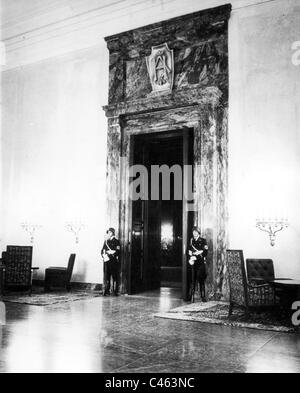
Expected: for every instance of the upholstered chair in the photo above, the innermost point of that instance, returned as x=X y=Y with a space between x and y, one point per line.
x=60 y=277
x=242 y=292
x=260 y=271
x=18 y=270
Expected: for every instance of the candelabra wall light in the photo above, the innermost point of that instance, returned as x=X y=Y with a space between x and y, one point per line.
x=75 y=227
x=272 y=227
x=31 y=229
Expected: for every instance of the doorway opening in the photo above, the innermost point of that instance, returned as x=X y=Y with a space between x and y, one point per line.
x=161 y=221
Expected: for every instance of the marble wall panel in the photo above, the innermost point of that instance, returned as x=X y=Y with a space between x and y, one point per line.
x=199 y=101
x=199 y=42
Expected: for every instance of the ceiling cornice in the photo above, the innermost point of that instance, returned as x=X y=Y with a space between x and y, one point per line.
x=62 y=26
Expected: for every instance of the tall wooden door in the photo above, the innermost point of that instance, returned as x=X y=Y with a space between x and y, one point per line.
x=160 y=228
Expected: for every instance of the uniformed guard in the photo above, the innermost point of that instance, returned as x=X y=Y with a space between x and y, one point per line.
x=197 y=253
x=110 y=254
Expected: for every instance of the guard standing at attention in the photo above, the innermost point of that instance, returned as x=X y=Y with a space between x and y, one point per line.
x=197 y=252
x=111 y=253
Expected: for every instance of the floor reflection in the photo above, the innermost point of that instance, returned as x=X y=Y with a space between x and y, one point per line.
x=121 y=335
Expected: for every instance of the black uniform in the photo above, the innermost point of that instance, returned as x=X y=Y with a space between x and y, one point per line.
x=111 y=267
x=200 y=264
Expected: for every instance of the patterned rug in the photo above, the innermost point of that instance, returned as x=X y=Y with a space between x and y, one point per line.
x=48 y=299
x=217 y=313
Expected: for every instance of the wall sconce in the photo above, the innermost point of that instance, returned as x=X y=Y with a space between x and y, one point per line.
x=31 y=230
x=75 y=227
x=272 y=227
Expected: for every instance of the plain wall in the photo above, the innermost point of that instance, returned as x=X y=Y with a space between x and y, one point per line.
x=54 y=158
x=54 y=135
x=264 y=154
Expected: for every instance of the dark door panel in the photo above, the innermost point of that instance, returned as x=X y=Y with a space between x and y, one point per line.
x=137 y=258
x=159 y=228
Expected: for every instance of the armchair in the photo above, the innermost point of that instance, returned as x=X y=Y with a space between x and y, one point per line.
x=261 y=271
x=60 y=277
x=17 y=268
x=243 y=292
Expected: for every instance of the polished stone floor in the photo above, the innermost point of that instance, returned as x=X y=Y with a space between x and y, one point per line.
x=120 y=335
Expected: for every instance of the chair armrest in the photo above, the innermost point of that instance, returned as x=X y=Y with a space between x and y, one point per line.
x=259 y=281
x=251 y=286
x=35 y=268
x=283 y=279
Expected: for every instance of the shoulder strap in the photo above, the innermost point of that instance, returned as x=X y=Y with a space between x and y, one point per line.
x=194 y=246
x=108 y=246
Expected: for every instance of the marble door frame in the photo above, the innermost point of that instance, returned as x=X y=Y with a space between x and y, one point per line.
x=198 y=99
x=209 y=121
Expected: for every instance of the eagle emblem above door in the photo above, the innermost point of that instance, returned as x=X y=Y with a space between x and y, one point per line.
x=161 y=69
